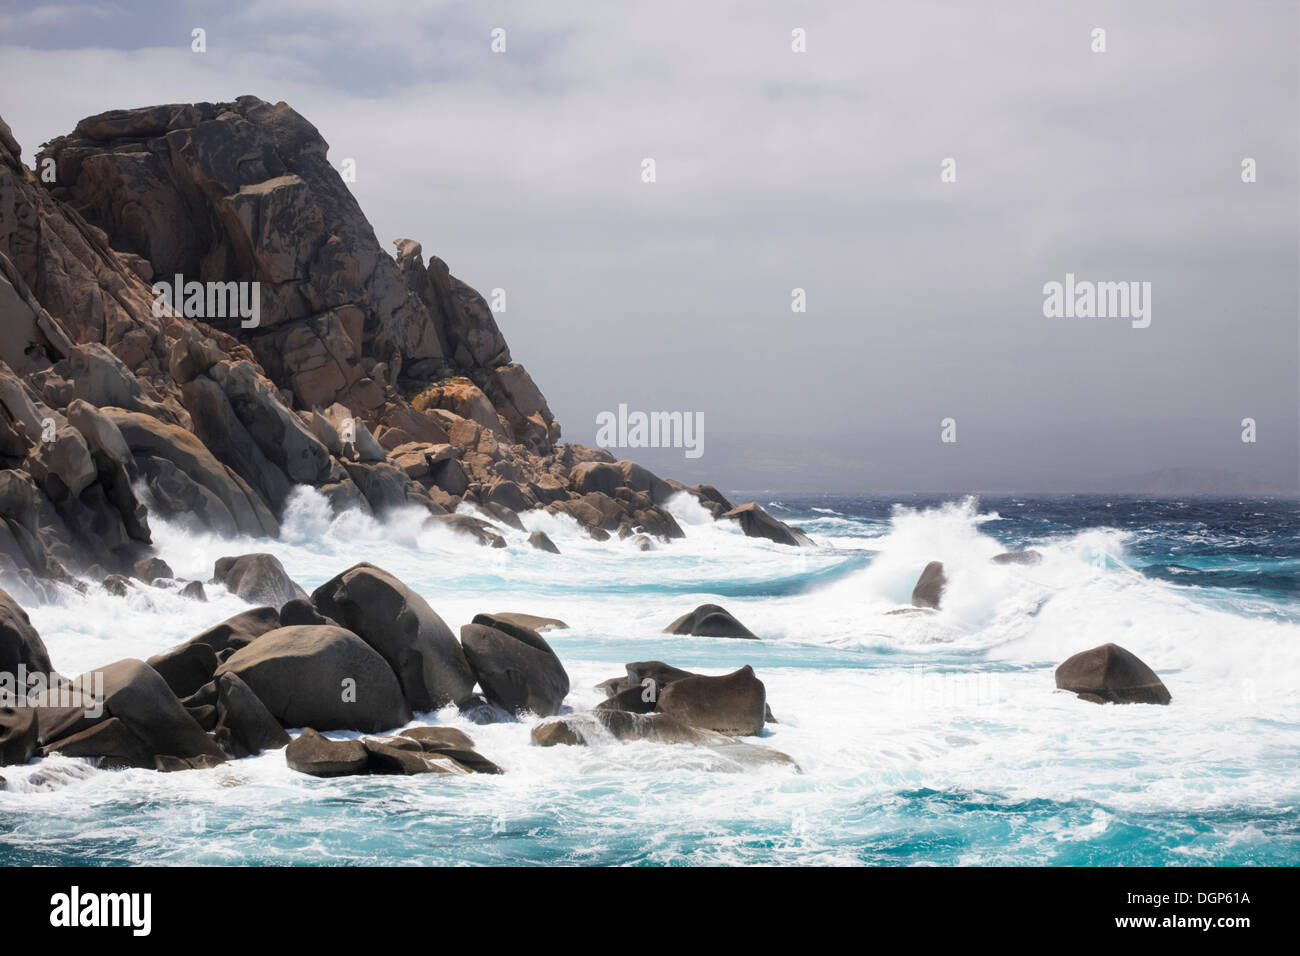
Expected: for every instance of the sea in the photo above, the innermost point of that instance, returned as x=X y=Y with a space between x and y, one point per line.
x=920 y=738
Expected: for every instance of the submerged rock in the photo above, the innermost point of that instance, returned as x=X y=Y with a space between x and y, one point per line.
x=929 y=587
x=1111 y=674
x=1017 y=557
x=710 y=620
x=540 y=541
x=757 y=523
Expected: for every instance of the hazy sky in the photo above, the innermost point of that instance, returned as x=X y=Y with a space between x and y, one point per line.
x=818 y=170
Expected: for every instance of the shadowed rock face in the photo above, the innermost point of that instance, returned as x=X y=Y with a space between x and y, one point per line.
x=1111 y=674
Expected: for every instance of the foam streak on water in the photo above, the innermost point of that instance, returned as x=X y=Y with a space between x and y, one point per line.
x=923 y=738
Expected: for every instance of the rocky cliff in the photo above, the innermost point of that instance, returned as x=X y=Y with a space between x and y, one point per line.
x=135 y=380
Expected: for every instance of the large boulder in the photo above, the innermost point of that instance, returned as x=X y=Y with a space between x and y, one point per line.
x=929 y=586
x=323 y=677
x=757 y=523
x=422 y=651
x=1111 y=674
x=515 y=666
x=710 y=620
x=137 y=695
x=733 y=704
x=258 y=579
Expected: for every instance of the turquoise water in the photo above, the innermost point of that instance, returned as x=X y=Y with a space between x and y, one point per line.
x=920 y=739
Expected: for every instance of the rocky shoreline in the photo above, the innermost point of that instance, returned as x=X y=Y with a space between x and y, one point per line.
x=362 y=653
x=382 y=382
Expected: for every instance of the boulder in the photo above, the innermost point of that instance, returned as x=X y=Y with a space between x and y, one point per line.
x=149 y=570
x=19 y=738
x=310 y=753
x=321 y=676
x=302 y=611
x=472 y=527
x=515 y=666
x=757 y=523
x=598 y=476
x=439 y=738
x=530 y=621
x=187 y=480
x=186 y=667
x=137 y=695
x=733 y=704
x=710 y=620
x=632 y=699
x=238 y=631
x=449 y=742
x=929 y=586
x=19 y=641
x=580 y=729
x=404 y=756
x=1017 y=557
x=193 y=591
x=258 y=579
x=244 y=724
x=541 y=542
x=111 y=740
x=1111 y=674
x=422 y=651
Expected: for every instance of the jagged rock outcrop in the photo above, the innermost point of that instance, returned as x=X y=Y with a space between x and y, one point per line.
x=195 y=303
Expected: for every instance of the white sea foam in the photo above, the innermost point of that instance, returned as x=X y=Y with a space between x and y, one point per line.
x=871 y=705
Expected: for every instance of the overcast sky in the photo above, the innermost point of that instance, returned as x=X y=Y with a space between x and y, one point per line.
x=818 y=170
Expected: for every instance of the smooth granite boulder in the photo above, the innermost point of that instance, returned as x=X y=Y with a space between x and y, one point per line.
x=322 y=677
x=402 y=627
x=710 y=620
x=1111 y=674
x=258 y=579
x=515 y=666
